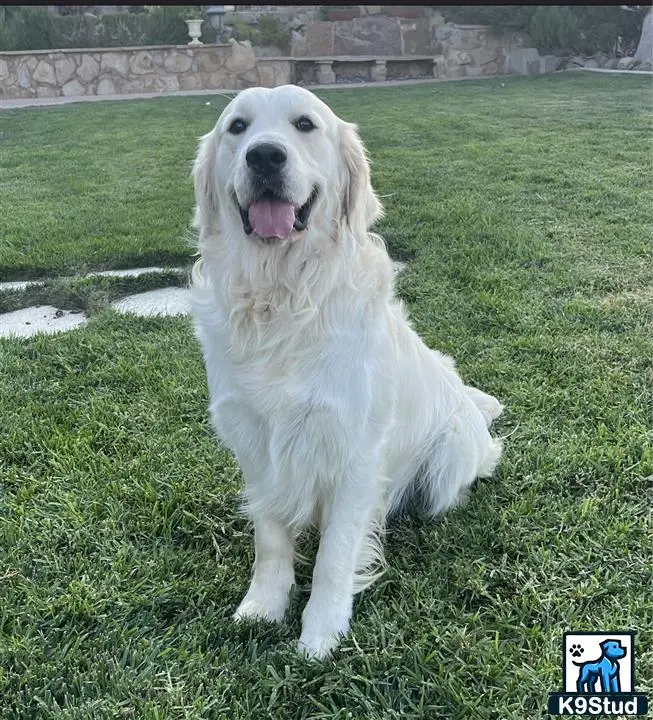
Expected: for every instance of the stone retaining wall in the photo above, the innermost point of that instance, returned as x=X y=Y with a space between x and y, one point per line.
x=370 y=35
x=455 y=51
x=460 y=50
x=163 y=68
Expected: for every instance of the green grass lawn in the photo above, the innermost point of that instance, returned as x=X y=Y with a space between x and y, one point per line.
x=523 y=207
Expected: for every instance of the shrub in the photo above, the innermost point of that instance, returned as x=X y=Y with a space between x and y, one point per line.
x=586 y=29
x=271 y=33
x=165 y=25
x=121 y=29
x=498 y=17
x=72 y=31
x=27 y=28
x=34 y=28
x=242 y=31
x=554 y=27
x=602 y=25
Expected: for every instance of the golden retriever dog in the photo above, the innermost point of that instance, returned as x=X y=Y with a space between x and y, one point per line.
x=335 y=409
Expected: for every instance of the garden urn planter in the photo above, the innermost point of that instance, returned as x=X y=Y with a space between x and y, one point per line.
x=194 y=31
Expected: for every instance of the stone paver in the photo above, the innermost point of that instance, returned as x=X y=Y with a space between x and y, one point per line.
x=133 y=272
x=29 y=321
x=165 y=301
x=40 y=319
x=19 y=284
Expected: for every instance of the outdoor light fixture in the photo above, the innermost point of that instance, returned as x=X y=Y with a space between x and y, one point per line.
x=216 y=14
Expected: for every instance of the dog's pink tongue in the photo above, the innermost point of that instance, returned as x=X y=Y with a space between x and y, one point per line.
x=271 y=218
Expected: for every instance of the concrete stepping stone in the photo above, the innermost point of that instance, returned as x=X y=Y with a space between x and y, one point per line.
x=134 y=272
x=165 y=301
x=131 y=272
x=19 y=284
x=47 y=319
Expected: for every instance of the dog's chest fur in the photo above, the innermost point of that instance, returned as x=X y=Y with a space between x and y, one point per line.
x=276 y=326
x=290 y=376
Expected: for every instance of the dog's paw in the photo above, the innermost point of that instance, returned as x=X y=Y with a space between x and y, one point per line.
x=323 y=628
x=252 y=608
x=318 y=647
x=576 y=650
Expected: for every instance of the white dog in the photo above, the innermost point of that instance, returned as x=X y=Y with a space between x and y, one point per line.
x=334 y=408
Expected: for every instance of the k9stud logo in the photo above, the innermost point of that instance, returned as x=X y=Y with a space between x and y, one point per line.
x=598 y=670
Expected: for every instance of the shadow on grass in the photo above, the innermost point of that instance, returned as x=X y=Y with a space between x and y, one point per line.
x=88 y=294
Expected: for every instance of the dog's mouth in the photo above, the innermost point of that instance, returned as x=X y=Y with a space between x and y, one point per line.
x=271 y=216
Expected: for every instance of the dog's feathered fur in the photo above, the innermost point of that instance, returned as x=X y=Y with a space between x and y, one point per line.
x=333 y=406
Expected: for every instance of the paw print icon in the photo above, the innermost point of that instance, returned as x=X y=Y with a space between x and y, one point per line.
x=576 y=650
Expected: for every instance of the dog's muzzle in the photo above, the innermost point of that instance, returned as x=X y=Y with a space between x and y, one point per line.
x=273 y=216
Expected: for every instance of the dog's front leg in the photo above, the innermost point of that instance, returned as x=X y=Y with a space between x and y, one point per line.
x=615 y=687
x=273 y=575
x=344 y=528
x=606 y=680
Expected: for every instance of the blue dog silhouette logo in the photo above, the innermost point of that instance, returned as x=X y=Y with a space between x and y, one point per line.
x=605 y=669
x=598 y=670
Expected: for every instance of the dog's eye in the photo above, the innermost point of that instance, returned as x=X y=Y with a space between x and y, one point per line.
x=237 y=126
x=304 y=124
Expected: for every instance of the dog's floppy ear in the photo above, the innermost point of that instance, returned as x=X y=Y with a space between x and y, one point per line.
x=360 y=205
x=206 y=195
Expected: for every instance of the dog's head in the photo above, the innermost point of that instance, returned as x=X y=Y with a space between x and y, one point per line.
x=278 y=163
x=613 y=649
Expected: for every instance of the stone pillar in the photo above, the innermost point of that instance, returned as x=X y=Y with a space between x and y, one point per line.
x=379 y=71
x=325 y=74
x=439 y=67
x=645 y=48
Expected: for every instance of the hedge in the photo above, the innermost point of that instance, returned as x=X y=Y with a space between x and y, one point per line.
x=34 y=28
x=582 y=29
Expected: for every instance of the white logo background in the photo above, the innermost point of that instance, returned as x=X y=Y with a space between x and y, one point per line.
x=590 y=643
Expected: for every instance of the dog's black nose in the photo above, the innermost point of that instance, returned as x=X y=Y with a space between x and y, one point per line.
x=266 y=158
